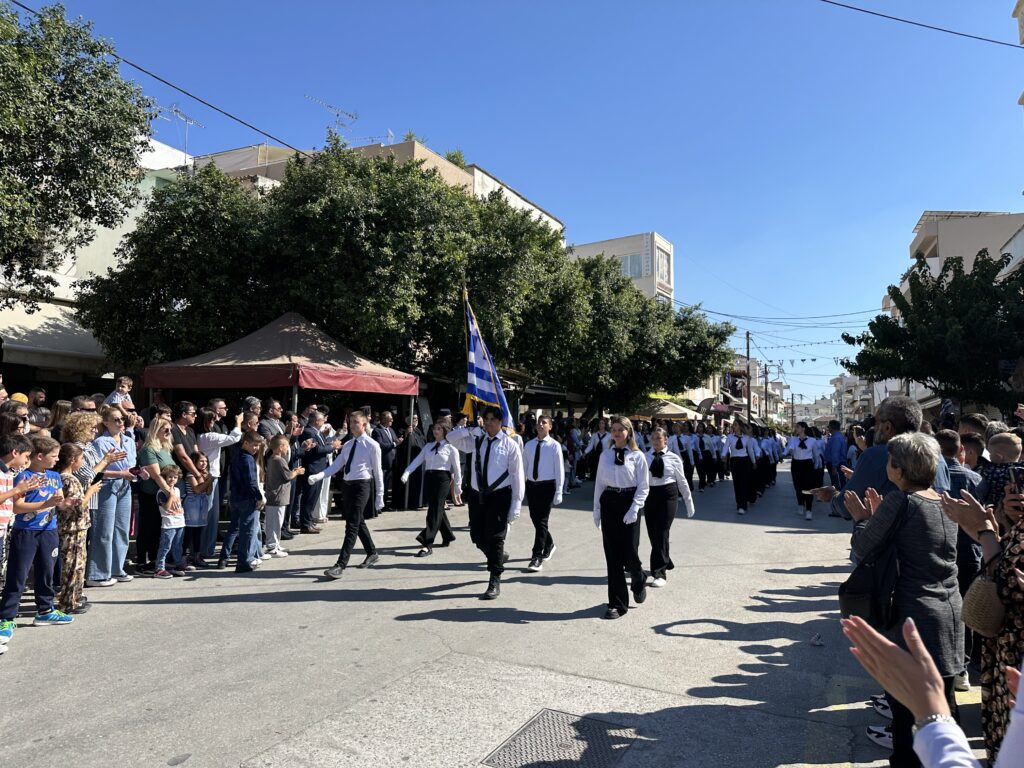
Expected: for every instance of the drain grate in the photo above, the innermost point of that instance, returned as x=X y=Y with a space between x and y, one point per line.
x=554 y=739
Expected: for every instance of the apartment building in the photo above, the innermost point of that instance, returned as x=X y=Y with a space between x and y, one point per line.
x=646 y=258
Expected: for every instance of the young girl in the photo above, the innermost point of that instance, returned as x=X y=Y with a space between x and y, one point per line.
x=197 y=506
x=72 y=526
x=172 y=525
x=620 y=490
x=280 y=479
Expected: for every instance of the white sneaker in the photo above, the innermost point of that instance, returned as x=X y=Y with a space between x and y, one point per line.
x=124 y=578
x=658 y=582
x=256 y=563
x=3 y=650
x=549 y=554
x=881 y=735
x=104 y=583
x=278 y=553
x=741 y=511
x=266 y=556
x=962 y=683
x=808 y=516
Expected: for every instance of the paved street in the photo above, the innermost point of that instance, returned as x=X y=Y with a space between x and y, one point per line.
x=404 y=666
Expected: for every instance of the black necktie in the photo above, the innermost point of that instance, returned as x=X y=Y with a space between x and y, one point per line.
x=437 y=447
x=536 y=460
x=739 y=442
x=487 y=460
x=803 y=443
x=620 y=456
x=348 y=464
x=599 y=446
x=658 y=465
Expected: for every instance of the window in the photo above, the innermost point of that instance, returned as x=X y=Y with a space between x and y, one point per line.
x=664 y=266
x=632 y=265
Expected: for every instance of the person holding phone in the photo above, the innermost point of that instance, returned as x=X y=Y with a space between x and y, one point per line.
x=109 y=545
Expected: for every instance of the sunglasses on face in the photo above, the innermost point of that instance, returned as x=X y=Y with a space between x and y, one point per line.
x=116 y=420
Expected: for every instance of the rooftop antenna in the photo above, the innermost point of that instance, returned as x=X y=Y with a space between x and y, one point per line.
x=342 y=118
x=188 y=121
x=388 y=139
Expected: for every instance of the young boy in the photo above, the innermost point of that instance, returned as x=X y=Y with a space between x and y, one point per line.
x=34 y=540
x=120 y=395
x=172 y=525
x=1004 y=451
x=15 y=452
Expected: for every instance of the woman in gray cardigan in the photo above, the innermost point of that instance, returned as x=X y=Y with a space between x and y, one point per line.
x=926 y=590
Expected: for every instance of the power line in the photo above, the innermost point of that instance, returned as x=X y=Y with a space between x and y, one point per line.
x=922 y=25
x=185 y=92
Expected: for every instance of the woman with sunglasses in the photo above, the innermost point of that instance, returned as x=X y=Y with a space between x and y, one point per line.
x=108 y=544
x=154 y=456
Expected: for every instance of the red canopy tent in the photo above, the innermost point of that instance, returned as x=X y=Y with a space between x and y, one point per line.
x=289 y=352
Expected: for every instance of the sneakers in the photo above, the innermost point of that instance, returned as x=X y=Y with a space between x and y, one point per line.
x=6 y=630
x=101 y=583
x=534 y=565
x=881 y=735
x=962 y=683
x=334 y=572
x=52 y=618
x=371 y=560
x=278 y=552
x=659 y=582
x=808 y=516
x=254 y=564
x=266 y=556
x=550 y=553
x=881 y=705
x=123 y=578
x=741 y=511
x=177 y=571
x=163 y=573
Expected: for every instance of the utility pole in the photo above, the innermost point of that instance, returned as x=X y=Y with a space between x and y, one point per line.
x=766 y=367
x=750 y=388
x=792 y=412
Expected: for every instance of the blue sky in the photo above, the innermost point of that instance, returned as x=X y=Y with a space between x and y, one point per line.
x=786 y=147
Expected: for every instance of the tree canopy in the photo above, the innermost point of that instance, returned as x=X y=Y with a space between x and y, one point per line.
x=955 y=331
x=71 y=133
x=376 y=253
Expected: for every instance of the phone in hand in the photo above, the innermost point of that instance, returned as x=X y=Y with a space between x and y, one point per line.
x=1016 y=475
x=97 y=478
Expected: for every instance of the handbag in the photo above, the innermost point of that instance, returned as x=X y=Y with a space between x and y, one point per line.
x=868 y=592
x=983 y=609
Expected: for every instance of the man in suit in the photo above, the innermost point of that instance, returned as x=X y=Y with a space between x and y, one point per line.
x=270 y=423
x=389 y=443
x=316 y=457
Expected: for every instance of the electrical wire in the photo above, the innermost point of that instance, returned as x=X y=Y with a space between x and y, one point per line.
x=185 y=92
x=920 y=24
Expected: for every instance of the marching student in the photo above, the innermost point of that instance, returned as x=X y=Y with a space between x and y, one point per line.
x=667 y=484
x=620 y=491
x=743 y=453
x=684 y=448
x=598 y=442
x=706 y=456
x=805 y=467
x=362 y=490
x=545 y=480
x=496 y=472
x=443 y=475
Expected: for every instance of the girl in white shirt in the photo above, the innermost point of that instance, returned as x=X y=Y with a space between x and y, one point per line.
x=620 y=490
x=806 y=467
x=667 y=483
x=443 y=468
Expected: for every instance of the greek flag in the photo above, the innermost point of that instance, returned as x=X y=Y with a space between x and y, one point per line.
x=482 y=385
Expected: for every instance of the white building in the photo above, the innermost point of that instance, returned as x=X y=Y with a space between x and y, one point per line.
x=646 y=258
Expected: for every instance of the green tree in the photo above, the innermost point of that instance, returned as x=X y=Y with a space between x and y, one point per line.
x=954 y=331
x=71 y=133
x=456 y=157
x=191 y=277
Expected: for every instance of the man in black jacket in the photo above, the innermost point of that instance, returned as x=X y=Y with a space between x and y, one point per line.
x=316 y=457
x=389 y=442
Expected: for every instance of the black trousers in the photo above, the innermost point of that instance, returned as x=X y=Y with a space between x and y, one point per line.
x=436 y=487
x=539 y=497
x=310 y=500
x=688 y=470
x=805 y=477
x=723 y=468
x=356 y=496
x=761 y=471
x=621 y=544
x=147 y=529
x=702 y=472
x=903 y=755
x=488 y=522
x=659 y=512
x=742 y=480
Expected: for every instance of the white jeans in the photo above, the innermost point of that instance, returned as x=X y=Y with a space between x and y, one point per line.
x=324 y=502
x=275 y=517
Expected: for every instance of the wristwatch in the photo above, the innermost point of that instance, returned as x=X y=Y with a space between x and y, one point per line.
x=928 y=720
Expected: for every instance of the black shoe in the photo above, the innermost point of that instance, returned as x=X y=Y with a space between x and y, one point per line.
x=222 y=563
x=425 y=552
x=370 y=561
x=504 y=557
x=639 y=586
x=334 y=572
x=534 y=565
x=493 y=589
x=445 y=543
x=613 y=613
x=80 y=608
x=286 y=535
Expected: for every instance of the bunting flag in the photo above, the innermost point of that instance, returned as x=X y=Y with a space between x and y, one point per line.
x=482 y=384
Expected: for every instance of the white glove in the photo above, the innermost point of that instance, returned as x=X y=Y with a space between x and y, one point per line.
x=405 y=478
x=631 y=516
x=378 y=505
x=597 y=518
x=315 y=478
x=513 y=515
x=558 y=501
x=691 y=511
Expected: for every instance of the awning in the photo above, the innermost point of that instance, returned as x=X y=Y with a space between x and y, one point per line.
x=50 y=338
x=665 y=409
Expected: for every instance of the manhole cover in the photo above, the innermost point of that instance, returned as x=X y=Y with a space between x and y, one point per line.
x=559 y=740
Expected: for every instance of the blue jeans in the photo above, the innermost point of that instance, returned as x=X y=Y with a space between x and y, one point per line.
x=231 y=535
x=249 y=546
x=108 y=539
x=170 y=543
x=212 y=521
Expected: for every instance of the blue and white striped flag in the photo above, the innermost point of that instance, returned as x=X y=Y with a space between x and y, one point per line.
x=482 y=385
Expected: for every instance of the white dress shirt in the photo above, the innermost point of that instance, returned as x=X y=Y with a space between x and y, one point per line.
x=603 y=437
x=505 y=457
x=680 y=446
x=810 y=451
x=632 y=473
x=749 y=447
x=673 y=474
x=444 y=459
x=365 y=465
x=550 y=466
x=211 y=444
x=708 y=445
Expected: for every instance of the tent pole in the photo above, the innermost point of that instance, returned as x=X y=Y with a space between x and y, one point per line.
x=295 y=398
x=408 y=448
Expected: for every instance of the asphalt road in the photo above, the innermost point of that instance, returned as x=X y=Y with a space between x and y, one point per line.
x=402 y=665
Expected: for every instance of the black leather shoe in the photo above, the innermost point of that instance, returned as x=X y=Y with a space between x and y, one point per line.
x=504 y=557
x=493 y=589
x=370 y=561
x=613 y=613
x=425 y=552
x=639 y=586
x=286 y=535
x=334 y=572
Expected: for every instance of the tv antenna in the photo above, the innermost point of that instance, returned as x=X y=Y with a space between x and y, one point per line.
x=175 y=110
x=342 y=118
x=388 y=139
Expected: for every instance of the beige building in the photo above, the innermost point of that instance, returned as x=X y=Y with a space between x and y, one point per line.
x=645 y=258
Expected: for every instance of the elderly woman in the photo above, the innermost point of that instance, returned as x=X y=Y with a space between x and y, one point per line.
x=926 y=590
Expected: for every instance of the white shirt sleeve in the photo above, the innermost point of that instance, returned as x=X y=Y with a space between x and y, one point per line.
x=599 y=486
x=944 y=745
x=338 y=463
x=643 y=483
x=414 y=464
x=559 y=474
x=456 y=468
x=684 y=490
x=517 y=478
x=378 y=474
